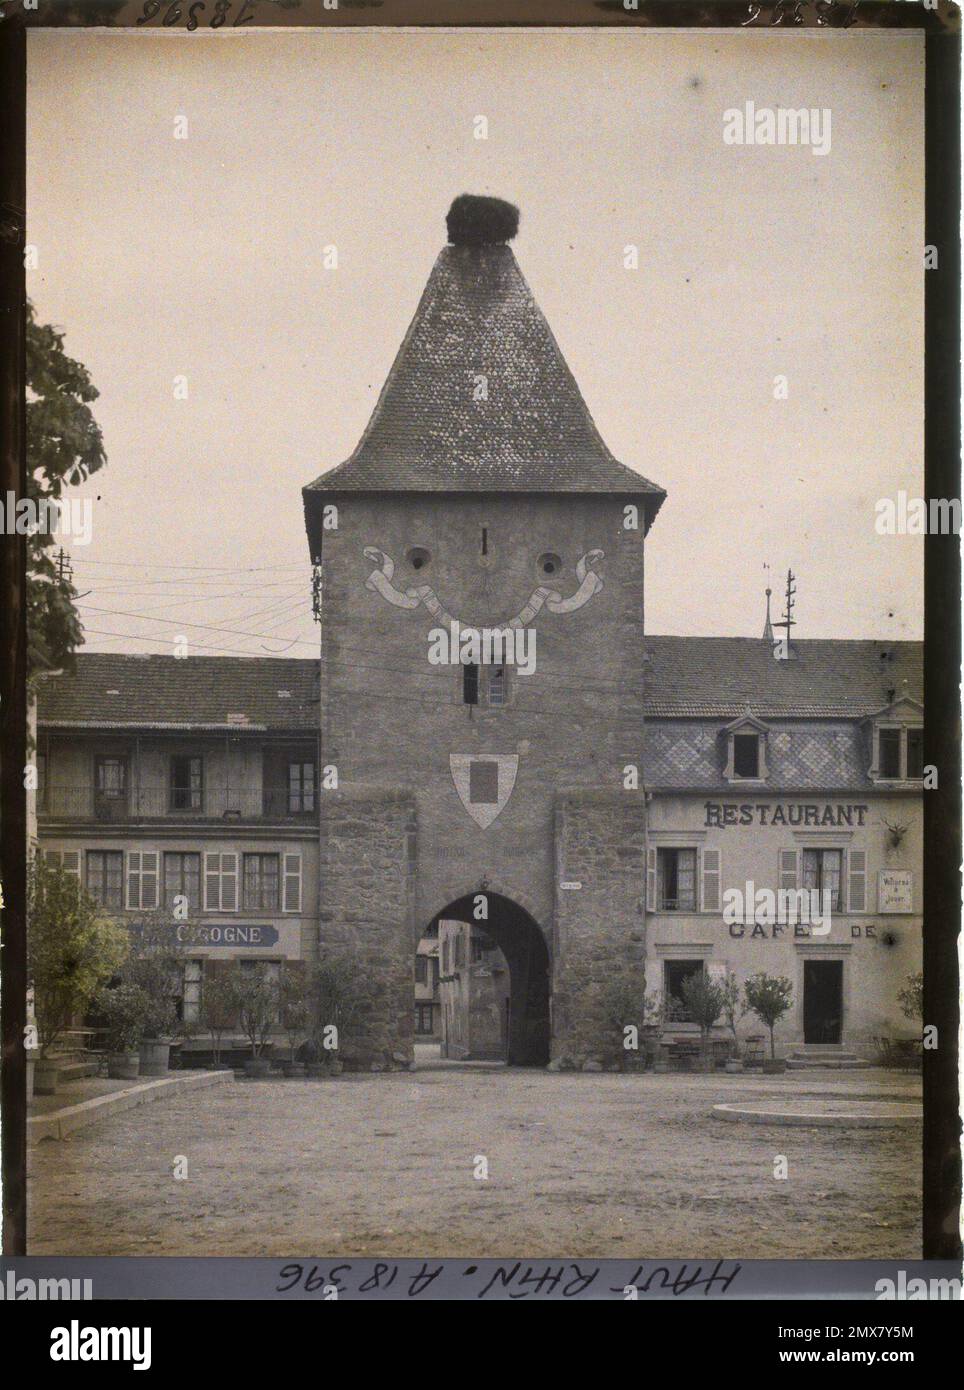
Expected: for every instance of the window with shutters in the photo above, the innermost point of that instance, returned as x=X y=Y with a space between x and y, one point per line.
x=220 y=882
x=182 y=880
x=142 y=879
x=676 y=880
x=261 y=883
x=822 y=871
x=66 y=859
x=105 y=876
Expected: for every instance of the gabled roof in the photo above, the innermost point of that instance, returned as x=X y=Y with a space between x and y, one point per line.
x=721 y=677
x=532 y=432
x=212 y=693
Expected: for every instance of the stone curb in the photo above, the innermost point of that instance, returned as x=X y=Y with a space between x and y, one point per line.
x=59 y=1123
x=781 y=1117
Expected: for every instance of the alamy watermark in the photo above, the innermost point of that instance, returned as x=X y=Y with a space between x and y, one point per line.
x=483 y=646
x=62 y=516
x=780 y=125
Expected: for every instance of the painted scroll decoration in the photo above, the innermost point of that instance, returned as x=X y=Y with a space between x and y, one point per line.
x=380 y=581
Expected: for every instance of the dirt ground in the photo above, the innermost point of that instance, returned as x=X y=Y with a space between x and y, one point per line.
x=578 y=1165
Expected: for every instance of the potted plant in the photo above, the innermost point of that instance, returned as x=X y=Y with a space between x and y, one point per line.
x=124 y=1008
x=294 y=1015
x=333 y=1001
x=769 y=997
x=733 y=1011
x=218 y=1007
x=704 y=1004
x=156 y=965
x=71 y=953
x=257 y=1000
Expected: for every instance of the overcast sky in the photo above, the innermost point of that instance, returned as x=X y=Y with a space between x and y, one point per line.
x=204 y=257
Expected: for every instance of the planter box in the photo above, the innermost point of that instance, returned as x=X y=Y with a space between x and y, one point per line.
x=45 y=1077
x=734 y=1066
x=774 y=1066
x=155 y=1058
x=124 y=1066
x=257 y=1067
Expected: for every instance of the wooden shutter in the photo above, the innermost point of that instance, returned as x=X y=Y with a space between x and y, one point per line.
x=133 y=878
x=149 y=878
x=711 y=880
x=220 y=882
x=787 y=868
x=212 y=881
x=296 y=972
x=292 y=883
x=857 y=881
x=66 y=859
x=651 y=881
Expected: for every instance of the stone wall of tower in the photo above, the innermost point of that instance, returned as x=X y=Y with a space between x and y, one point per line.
x=390 y=720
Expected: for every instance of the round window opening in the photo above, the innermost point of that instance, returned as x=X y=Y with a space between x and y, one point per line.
x=418 y=558
x=549 y=564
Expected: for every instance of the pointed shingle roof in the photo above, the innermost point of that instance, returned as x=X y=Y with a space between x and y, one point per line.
x=532 y=431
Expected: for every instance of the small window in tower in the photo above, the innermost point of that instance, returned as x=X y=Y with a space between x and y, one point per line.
x=485 y=540
x=549 y=563
x=470 y=684
x=418 y=557
x=746 y=755
x=497 y=686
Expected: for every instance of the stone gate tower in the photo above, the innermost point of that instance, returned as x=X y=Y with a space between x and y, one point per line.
x=482 y=497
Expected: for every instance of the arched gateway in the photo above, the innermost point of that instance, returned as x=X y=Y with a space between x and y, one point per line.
x=466 y=983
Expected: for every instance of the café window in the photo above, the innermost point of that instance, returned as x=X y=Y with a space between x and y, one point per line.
x=190 y=1009
x=270 y=972
x=301 y=787
x=676 y=880
x=182 y=879
x=105 y=876
x=822 y=871
x=187 y=784
x=261 y=882
x=674 y=973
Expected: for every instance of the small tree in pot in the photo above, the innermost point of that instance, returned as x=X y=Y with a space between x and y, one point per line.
x=294 y=1014
x=124 y=1009
x=733 y=1010
x=333 y=1003
x=156 y=965
x=257 y=1000
x=769 y=997
x=218 y=1008
x=704 y=1004
x=71 y=952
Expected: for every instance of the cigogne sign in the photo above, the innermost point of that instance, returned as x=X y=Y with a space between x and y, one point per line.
x=216 y=934
x=814 y=814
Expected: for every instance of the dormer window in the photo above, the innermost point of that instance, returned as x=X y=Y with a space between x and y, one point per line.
x=746 y=755
x=745 y=750
x=896 y=742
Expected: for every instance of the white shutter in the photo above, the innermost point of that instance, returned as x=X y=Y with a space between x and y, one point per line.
x=229 y=883
x=220 y=882
x=292 y=885
x=651 y=881
x=133 y=878
x=711 y=880
x=787 y=868
x=212 y=881
x=149 y=878
x=857 y=881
